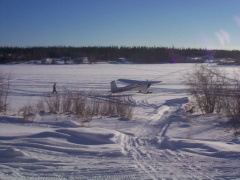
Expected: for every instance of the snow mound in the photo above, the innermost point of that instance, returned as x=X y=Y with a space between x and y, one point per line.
x=11 y=154
x=76 y=140
x=94 y=136
x=207 y=148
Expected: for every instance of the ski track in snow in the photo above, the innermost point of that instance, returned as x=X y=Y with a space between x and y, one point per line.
x=146 y=153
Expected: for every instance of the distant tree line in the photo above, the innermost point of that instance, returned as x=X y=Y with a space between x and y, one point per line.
x=137 y=54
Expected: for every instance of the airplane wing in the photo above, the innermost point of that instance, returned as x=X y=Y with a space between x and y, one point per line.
x=128 y=81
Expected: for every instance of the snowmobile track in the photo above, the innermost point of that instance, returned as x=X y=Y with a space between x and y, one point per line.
x=148 y=152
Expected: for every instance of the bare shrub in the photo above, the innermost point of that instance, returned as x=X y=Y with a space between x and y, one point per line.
x=111 y=107
x=40 y=105
x=108 y=107
x=88 y=113
x=124 y=109
x=212 y=93
x=53 y=103
x=28 y=112
x=66 y=102
x=4 y=91
x=116 y=106
x=27 y=109
x=85 y=106
x=104 y=108
x=231 y=104
x=79 y=103
x=207 y=87
x=235 y=122
x=96 y=106
x=232 y=99
x=127 y=111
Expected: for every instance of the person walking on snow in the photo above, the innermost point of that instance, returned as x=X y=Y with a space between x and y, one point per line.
x=54 y=88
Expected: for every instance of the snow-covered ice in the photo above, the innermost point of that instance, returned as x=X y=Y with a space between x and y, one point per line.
x=160 y=142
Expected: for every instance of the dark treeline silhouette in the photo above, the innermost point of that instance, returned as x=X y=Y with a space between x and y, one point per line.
x=138 y=54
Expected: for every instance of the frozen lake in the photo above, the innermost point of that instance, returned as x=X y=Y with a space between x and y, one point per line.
x=29 y=82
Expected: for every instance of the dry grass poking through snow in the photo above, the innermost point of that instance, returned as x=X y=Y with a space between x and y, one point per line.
x=83 y=105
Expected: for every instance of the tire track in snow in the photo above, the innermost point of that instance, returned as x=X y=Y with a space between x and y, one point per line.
x=142 y=146
x=146 y=146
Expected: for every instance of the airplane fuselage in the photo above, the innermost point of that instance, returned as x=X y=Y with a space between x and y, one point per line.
x=134 y=87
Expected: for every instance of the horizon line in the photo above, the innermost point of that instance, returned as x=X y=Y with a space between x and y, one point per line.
x=117 y=46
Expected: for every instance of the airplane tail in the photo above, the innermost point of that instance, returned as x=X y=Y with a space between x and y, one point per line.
x=113 y=86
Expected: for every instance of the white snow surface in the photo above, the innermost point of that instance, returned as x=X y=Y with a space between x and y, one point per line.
x=160 y=142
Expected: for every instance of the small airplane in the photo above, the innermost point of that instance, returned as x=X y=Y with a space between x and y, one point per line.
x=133 y=85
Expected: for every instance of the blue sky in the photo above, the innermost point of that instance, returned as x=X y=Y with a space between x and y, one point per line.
x=212 y=24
